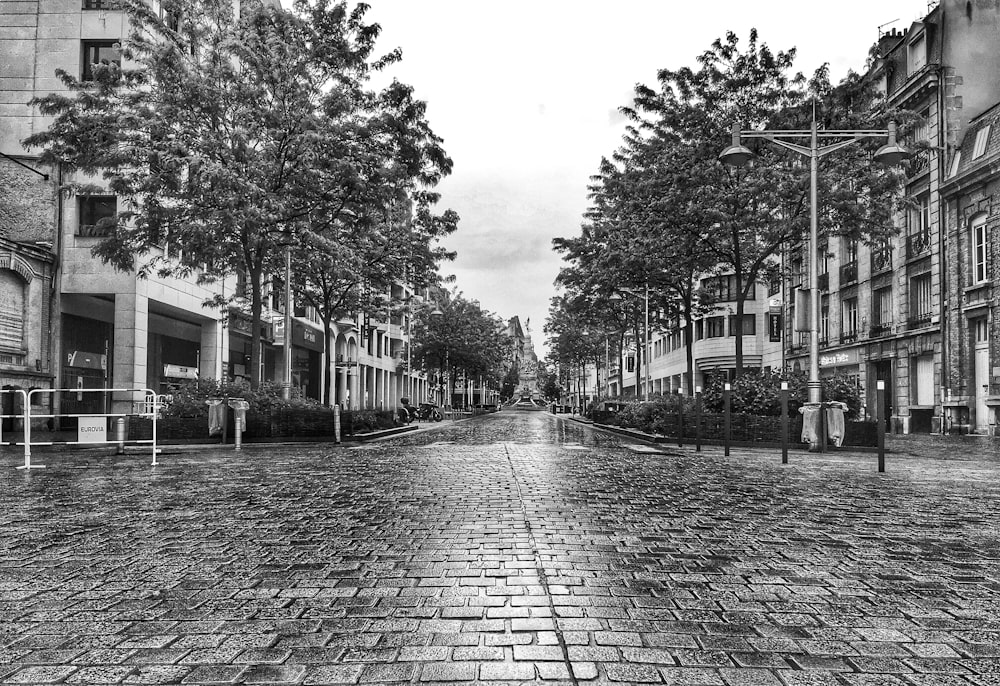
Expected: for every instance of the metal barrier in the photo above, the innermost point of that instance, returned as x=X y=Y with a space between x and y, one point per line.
x=92 y=428
x=25 y=417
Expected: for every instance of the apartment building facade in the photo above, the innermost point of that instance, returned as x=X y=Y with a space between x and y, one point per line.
x=67 y=320
x=894 y=311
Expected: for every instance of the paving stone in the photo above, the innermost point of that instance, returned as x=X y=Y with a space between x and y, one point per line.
x=508 y=671
x=40 y=675
x=464 y=549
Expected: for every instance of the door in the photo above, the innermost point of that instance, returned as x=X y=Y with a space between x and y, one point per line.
x=982 y=373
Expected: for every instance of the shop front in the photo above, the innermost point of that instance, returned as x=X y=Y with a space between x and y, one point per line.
x=307 y=353
x=240 y=348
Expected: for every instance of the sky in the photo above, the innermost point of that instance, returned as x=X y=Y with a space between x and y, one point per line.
x=525 y=94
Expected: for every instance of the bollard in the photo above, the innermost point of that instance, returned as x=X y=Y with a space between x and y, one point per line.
x=821 y=424
x=697 y=419
x=727 y=414
x=120 y=434
x=880 y=422
x=336 y=423
x=238 y=432
x=680 y=419
x=784 y=422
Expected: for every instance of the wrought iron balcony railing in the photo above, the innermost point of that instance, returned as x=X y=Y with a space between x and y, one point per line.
x=848 y=336
x=918 y=244
x=849 y=272
x=881 y=261
x=879 y=330
x=918 y=321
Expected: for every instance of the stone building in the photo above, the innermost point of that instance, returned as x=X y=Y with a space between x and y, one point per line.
x=27 y=214
x=971 y=209
x=888 y=311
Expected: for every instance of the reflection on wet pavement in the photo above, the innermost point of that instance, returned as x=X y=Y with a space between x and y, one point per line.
x=517 y=547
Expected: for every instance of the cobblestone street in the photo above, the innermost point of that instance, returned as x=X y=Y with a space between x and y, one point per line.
x=512 y=548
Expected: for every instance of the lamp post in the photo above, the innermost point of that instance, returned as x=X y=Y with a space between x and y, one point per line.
x=286 y=384
x=737 y=155
x=645 y=335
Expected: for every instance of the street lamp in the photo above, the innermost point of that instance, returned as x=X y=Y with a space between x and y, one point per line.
x=645 y=333
x=889 y=154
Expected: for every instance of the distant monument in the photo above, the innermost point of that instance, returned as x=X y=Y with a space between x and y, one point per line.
x=528 y=394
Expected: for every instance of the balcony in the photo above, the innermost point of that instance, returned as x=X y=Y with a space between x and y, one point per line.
x=848 y=336
x=823 y=281
x=919 y=163
x=881 y=261
x=849 y=273
x=95 y=231
x=918 y=244
x=879 y=330
x=918 y=321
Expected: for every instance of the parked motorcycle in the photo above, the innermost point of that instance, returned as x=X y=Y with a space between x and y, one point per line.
x=430 y=412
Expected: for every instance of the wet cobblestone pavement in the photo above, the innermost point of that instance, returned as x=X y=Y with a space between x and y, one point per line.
x=515 y=548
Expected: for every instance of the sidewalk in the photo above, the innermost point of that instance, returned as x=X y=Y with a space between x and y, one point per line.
x=924 y=446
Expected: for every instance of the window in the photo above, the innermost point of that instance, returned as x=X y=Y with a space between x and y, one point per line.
x=11 y=310
x=824 y=320
x=920 y=216
x=881 y=311
x=982 y=137
x=724 y=288
x=749 y=325
x=699 y=329
x=98 y=52
x=980 y=249
x=850 y=250
x=715 y=327
x=97 y=215
x=850 y=328
x=97 y=5
x=917 y=55
x=920 y=299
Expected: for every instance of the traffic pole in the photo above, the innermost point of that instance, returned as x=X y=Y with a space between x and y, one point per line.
x=727 y=413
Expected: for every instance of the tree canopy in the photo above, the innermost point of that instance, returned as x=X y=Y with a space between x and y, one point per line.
x=230 y=136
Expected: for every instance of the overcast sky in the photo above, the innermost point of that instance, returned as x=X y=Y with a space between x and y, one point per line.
x=525 y=94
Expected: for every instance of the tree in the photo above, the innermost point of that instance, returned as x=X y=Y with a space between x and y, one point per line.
x=754 y=213
x=462 y=338
x=236 y=136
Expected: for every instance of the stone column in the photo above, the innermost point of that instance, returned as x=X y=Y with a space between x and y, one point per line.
x=354 y=381
x=129 y=349
x=212 y=346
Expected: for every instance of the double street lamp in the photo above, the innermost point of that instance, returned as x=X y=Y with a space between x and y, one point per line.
x=645 y=335
x=889 y=154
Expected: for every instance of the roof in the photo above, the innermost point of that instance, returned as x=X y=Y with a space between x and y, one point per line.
x=989 y=123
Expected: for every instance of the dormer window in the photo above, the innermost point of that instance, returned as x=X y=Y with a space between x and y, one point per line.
x=916 y=54
x=982 y=137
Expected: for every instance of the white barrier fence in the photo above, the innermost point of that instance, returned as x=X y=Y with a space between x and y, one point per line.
x=92 y=428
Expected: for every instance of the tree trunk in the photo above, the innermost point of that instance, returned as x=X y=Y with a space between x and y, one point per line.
x=325 y=380
x=689 y=346
x=256 y=306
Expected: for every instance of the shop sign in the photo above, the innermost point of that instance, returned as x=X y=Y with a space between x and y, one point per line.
x=79 y=358
x=774 y=305
x=838 y=359
x=279 y=330
x=306 y=337
x=176 y=371
x=92 y=429
x=774 y=328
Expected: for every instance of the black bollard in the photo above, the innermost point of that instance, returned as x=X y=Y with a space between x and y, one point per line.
x=697 y=419
x=680 y=419
x=880 y=422
x=784 y=422
x=727 y=414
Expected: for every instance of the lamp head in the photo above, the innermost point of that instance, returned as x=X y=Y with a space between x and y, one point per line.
x=436 y=312
x=736 y=155
x=892 y=152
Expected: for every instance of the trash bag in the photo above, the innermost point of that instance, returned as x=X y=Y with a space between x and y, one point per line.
x=216 y=415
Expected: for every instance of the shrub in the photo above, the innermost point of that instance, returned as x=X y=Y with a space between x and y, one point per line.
x=759 y=393
x=190 y=396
